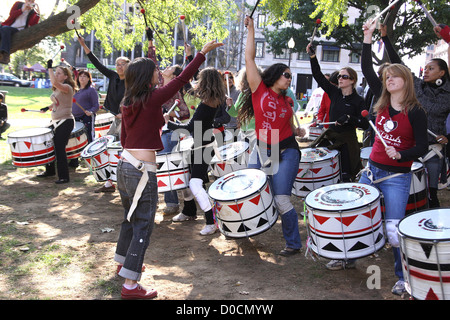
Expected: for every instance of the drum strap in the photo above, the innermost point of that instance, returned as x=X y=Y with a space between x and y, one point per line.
x=144 y=167
x=370 y=175
x=435 y=149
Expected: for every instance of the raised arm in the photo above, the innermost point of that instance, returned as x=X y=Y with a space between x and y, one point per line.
x=253 y=76
x=369 y=73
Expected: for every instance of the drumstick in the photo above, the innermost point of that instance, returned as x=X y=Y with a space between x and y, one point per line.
x=60 y=48
x=385 y=9
x=427 y=13
x=177 y=102
x=318 y=21
x=254 y=8
x=25 y=110
x=364 y=113
x=228 y=85
x=76 y=31
x=434 y=135
x=75 y=101
x=183 y=27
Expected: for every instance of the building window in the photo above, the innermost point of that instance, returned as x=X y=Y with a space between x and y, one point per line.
x=283 y=55
x=261 y=21
x=259 y=49
x=303 y=56
x=330 y=54
x=354 y=58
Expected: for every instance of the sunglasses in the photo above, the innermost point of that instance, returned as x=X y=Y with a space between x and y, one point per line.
x=344 y=76
x=287 y=75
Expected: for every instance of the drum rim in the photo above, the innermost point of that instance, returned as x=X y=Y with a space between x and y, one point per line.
x=328 y=157
x=342 y=209
x=215 y=159
x=404 y=235
x=241 y=197
x=48 y=130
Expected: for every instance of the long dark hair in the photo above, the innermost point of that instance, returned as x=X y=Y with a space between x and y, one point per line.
x=138 y=81
x=443 y=66
x=210 y=87
x=273 y=73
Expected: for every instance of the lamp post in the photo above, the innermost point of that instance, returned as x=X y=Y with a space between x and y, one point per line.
x=291 y=45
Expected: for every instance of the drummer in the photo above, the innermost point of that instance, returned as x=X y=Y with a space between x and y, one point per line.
x=273 y=112
x=210 y=89
x=114 y=96
x=63 y=86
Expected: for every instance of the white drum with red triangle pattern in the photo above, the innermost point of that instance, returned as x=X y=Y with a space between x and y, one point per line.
x=345 y=221
x=114 y=152
x=425 y=251
x=232 y=157
x=243 y=203
x=31 y=147
x=77 y=141
x=173 y=168
x=318 y=167
x=102 y=124
x=97 y=157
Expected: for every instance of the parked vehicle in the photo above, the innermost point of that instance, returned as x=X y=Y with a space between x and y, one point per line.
x=7 y=79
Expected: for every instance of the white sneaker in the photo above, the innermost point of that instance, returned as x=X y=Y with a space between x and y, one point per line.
x=182 y=217
x=208 y=229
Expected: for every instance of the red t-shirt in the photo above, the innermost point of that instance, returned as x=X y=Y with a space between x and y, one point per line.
x=273 y=113
x=397 y=132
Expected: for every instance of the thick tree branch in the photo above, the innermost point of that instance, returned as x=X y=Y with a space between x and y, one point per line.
x=53 y=26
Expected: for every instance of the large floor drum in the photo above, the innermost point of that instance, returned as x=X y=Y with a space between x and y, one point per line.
x=345 y=221
x=425 y=250
x=243 y=203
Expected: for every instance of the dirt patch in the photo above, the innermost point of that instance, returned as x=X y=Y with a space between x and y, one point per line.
x=58 y=242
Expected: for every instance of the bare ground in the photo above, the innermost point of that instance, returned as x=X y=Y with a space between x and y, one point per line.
x=57 y=242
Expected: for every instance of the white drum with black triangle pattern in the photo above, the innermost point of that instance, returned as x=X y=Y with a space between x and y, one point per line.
x=243 y=203
x=345 y=221
x=232 y=157
x=77 y=141
x=318 y=167
x=425 y=251
x=114 y=153
x=97 y=157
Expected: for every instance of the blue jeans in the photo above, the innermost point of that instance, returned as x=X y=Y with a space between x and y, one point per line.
x=434 y=167
x=396 y=193
x=170 y=197
x=282 y=182
x=134 y=236
x=6 y=33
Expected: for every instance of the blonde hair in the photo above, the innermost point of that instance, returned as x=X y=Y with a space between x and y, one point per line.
x=409 y=100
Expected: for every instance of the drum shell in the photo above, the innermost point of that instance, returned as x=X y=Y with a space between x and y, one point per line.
x=245 y=216
x=345 y=232
x=426 y=261
x=235 y=157
x=31 y=147
x=97 y=157
x=315 y=132
x=172 y=171
x=364 y=155
x=317 y=173
x=114 y=152
x=102 y=124
x=77 y=141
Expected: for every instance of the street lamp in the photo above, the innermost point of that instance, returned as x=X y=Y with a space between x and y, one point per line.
x=291 y=45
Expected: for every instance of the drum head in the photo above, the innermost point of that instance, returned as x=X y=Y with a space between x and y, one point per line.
x=428 y=225
x=365 y=152
x=343 y=196
x=30 y=132
x=230 y=151
x=95 y=147
x=317 y=154
x=237 y=185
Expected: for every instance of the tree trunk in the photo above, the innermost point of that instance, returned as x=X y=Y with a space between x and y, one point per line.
x=53 y=26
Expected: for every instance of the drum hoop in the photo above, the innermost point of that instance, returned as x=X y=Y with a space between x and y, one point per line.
x=257 y=191
x=432 y=241
x=340 y=209
x=328 y=157
x=48 y=131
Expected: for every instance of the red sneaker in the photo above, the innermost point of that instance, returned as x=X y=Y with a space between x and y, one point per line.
x=138 y=293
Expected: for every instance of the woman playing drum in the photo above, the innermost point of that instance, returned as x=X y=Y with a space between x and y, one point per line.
x=63 y=87
x=210 y=89
x=273 y=114
x=142 y=120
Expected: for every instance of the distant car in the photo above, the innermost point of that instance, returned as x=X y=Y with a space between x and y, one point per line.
x=98 y=84
x=7 y=79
